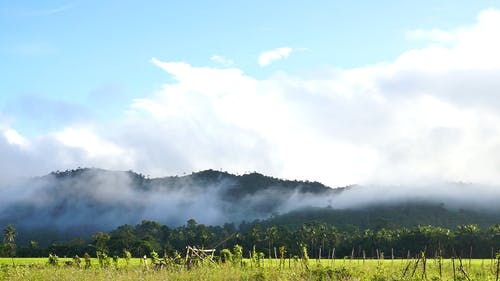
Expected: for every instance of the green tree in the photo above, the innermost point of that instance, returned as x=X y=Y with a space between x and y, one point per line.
x=100 y=241
x=9 y=240
x=271 y=236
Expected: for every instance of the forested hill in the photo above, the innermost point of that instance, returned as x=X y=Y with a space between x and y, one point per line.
x=409 y=214
x=237 y=185
x=84 y=201
x=92 y=199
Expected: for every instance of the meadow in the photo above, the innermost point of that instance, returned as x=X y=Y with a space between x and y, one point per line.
x=268 y=269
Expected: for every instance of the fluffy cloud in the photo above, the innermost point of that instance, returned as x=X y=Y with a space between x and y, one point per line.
x=431 y=114
x=268 y=57
x=14 y=138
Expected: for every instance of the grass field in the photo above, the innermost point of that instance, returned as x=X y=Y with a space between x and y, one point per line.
x=38 y=269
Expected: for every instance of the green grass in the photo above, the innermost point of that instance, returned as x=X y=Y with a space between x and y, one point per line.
x=38 y=269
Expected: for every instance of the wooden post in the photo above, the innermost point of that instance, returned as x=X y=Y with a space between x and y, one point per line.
x=498 y=267
x=440 y=263
x=424 y=263
x=470 y=257
x=145 y=260
x=415 y=267
x=492 y=258
x=454 y=271
x=462 y=269
x=406 y=269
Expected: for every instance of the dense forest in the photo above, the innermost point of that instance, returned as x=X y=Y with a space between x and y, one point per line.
x=321 y=239
x=88 y=210
x=81 y=202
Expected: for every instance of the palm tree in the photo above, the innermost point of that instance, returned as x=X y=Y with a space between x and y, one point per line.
x=9 y=234
x=271 y=236
x=10 y=241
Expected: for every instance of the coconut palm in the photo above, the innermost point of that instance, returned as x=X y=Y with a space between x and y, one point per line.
x=9 y=240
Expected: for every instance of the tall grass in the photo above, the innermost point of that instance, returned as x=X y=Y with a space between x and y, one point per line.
x=340 y=269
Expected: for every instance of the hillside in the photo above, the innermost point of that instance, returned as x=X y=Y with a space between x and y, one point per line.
x=89 y=199
x=82 y=201
x=408 y=214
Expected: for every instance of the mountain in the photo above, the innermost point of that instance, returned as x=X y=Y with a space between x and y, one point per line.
x=409 y=214
x=83 y=201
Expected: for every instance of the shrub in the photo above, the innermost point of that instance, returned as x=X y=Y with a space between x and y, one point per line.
x=237 y=254
x=226 y=255
x=53 y=260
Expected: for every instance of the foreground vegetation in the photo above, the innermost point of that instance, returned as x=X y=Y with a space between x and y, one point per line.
x=247 y=269
x=313 y=251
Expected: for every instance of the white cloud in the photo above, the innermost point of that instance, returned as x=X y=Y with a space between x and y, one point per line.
x=88 y=141
x=222 y=60
x=268 y=57
x=431 y=114
x=13 y=137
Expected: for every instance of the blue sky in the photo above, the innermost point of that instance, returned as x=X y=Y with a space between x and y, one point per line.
x=94 y=56
x=73 y=64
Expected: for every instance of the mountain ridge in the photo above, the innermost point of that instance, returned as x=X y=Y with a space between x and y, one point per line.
x=86 y=200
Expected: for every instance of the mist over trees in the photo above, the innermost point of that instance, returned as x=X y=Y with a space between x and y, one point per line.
x=89 y=210
x=90 y=200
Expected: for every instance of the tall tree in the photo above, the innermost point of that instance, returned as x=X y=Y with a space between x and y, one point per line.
x=271 y=236
x=100 y=241
x=9 y=240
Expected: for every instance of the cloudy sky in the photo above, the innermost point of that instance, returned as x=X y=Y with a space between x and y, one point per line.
x=366 y=92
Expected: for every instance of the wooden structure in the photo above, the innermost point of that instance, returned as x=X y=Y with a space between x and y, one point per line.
x=195 y=255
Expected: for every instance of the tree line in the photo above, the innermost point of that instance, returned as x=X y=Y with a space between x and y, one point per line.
x=320 y=239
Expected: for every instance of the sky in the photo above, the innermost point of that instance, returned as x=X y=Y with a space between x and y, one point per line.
x=333 y=91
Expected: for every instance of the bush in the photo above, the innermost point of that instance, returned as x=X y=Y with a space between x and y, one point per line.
x=104 y=259
x=127 y=256
x=53 y=260
x=226 y=255
x=237 y=254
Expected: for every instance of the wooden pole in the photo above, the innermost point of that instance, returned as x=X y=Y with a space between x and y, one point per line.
x=415 y=267
x=462 y=269
x=492 y=258
x=470 y=257
x=498 y=267
x=454 y=271
x=406 y=269
x=440 y=267
x=424 y=263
